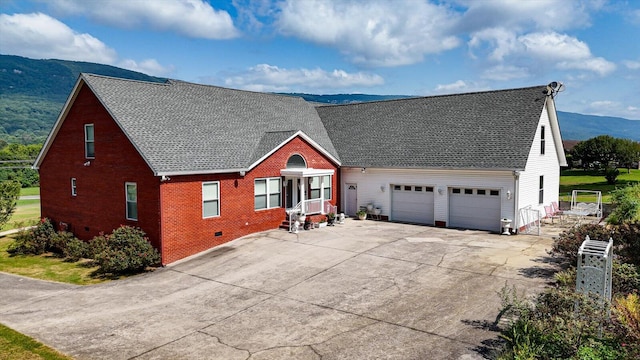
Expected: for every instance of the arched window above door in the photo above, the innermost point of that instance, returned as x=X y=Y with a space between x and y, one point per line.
x=296 y=162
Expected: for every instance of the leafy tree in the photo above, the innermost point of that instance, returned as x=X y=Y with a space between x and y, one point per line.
x=9 y=193
x=627 y=152
x=596 y=152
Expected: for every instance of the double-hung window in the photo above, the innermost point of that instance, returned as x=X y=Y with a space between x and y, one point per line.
x=210 y=199
x=542 y=140
x=541 y=191
x=89 y=142
x=74 y=189
x=320 y=185
x=327 y=187
x=267 y=193
x=131 y=190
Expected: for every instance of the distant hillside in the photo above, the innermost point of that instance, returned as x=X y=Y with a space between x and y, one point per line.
x=582 y=127
x=32 y=93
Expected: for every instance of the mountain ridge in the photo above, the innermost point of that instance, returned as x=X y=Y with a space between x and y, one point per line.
x=33 y=92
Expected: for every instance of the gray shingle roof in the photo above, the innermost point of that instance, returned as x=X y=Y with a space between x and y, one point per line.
x=181 y=127
x=484 y=130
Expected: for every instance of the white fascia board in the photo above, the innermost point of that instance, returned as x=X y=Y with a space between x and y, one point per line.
x=306 y=172
x=58 y=123
x=305 y=137
x=555 y=130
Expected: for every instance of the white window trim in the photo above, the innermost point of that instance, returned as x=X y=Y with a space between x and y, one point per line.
x=328 y=186
x=74 y=187
x=268 y=194
x=216 y=199
x=541 y=190
x=86 y=141
x=126 y=198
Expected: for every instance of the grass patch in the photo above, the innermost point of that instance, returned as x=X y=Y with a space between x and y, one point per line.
x=30 y=191
x=16 y=346
x=46 y=267
x=593 y=180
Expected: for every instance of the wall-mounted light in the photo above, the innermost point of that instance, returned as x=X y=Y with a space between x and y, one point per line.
x=440 y=190
x=165 y=178
x=382 y=188
x=87 y=163
x=508 y=194
x=363 y=170
x=242 y=173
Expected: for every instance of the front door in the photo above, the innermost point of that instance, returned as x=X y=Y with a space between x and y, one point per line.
x=292 y=192
x=351 y=199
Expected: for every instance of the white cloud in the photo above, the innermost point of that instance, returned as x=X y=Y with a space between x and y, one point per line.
x=264 y=77
x=505 y=72
x=193 y=18
x=539 y=50
x=613 y=108
x=631 y=64
x=40 y=36
x=458 y=86
x=538 y=14
x=372 y=33
x=148 y=66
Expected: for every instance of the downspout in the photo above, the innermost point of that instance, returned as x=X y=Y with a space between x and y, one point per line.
x=516 y=205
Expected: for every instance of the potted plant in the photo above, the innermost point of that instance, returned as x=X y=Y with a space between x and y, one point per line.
x=331 y=218
x=323 y=222
x=362 y=214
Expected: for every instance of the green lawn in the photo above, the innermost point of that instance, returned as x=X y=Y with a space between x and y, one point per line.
x=592 y=180
x=15 y=346
x=30 y=191
x=46 y=267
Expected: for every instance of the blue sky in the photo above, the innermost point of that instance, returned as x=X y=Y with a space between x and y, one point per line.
x=400 y=47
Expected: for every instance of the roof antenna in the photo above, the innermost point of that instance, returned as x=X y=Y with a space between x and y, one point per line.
x=553 y=88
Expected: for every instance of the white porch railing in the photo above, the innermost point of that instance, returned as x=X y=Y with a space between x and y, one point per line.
x=308 y=207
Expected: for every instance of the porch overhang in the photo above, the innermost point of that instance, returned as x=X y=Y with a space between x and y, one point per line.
x=306 y=172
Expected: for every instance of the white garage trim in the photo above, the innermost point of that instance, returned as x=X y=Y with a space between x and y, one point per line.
x=474 y=208
x=412 y=203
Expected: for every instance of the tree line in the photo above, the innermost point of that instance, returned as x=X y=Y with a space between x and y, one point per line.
x=16 y=161
x=605 y=153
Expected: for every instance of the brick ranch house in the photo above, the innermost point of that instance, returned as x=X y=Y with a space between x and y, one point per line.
x=196 y=166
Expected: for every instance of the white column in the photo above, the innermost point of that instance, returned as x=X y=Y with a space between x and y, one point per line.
x=302 y=182
x=322 y=194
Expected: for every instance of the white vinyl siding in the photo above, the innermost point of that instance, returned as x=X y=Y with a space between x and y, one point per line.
x=376 y=187
x=131 y=190
x=267 y=193
x=89 y=141
x=210 y=199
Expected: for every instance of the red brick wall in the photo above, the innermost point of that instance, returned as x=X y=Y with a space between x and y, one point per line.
x=185 y=232
x=100 y=204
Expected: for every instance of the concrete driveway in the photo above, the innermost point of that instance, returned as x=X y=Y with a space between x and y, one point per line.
x=361 y=290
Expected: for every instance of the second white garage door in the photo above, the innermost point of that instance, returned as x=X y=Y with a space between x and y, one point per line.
x=412 y=203
x=474 y=208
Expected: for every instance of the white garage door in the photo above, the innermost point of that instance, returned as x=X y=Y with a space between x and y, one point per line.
x=474 y=208
x=412 y=203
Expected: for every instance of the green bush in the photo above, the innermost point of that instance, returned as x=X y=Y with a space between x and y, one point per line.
x=75 y=250
x=568 y=242
x=628 y=248
x=611 y=174
x=553 y=329
x=33 y=241
x=127 y=251
x=626 y=205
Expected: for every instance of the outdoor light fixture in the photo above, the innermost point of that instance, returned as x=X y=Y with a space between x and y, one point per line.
x=382 y=188
x=508 y=194
x=363 y=170
x=440 y=190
